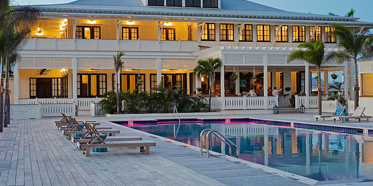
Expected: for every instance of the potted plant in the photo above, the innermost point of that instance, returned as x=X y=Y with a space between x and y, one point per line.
x=199 y=90
x=233 y=77
x=334 y=76
x=253 y=78
x=287 y=88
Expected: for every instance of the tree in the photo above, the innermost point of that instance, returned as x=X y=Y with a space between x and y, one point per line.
x=313 y=53
x=118 y=65
x=352 y=46
x=208 y=67
x=15 y=24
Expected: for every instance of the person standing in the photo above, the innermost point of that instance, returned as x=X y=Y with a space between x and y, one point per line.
x=275 y=91
x=261 y=93
x=252 y=92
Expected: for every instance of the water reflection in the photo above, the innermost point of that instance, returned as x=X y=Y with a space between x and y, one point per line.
x=314 y=154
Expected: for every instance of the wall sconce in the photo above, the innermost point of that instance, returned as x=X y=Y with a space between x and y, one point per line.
x=202 y=79
x=130 y=22
x=39 y=32
x=91 y=22
x=167 y=23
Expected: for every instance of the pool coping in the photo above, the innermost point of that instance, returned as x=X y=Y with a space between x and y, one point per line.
x=274 y=171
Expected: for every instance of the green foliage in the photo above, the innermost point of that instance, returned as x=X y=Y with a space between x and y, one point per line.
x=336 y=93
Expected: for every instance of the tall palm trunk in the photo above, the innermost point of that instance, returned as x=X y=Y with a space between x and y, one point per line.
x=2 y=94
x=213 y=86
x=319 y=91
x=210 y=79
x=356 y=88
x=117 y=74
x=7 y=100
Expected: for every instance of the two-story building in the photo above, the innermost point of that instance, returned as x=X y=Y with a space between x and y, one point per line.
x=69 y=56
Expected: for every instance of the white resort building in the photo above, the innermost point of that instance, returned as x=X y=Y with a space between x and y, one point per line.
x=69 y=56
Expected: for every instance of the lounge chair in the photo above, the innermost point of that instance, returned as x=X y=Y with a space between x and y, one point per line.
x=358 y=114
x=65 y=122
x=98 y=142
x=337 y=112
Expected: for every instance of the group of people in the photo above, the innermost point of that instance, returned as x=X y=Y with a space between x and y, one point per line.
x=252 y=93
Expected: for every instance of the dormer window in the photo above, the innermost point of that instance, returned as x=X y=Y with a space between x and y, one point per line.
x=174 y=2
x=193 y=3
x=210 y=3
x=156 y=2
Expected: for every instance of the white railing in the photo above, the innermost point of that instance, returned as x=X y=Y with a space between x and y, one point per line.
x=45 y=100
x=56 y=109
x=329 y=105
x=312 y=103
x=109 y=45
x=85 y=103
x=23 y=111
x=243 y=103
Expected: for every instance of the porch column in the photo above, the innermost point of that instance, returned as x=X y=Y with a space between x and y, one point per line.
x=222 y=89
x=198 y=82
x=326 y=82
x=351 y=80
x=345 y=81
x=188 y=83
x=265 y=86
x=159 y=71
x=237 y=83
x=307 y=85
x=16 y=83
x=75 y=79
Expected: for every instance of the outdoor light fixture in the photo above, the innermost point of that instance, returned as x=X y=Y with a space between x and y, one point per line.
x=302 y=108
x=167 y=24
x=275 y=109
x=39 y=33
x=91 y=22
x=202 y=79
x=130 y=22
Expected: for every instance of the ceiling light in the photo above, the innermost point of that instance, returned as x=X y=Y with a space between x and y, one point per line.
x=91 y=22
x=167 y=24
x=130 y=23
x=39 y=32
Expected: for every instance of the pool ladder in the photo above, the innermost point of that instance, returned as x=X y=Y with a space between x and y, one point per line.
x=205 y=140
x=178 y=127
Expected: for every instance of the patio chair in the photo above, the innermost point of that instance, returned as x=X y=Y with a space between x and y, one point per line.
x=65 y=122
x=358 y=114
x=337 y=112
x=98 y=142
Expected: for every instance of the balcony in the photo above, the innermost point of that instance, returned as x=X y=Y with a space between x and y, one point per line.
x=109 y=45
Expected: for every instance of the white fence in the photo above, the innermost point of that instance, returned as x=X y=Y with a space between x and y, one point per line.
x=45 y=101
x=243 y=103
x=329 y=105
x=29 y=111
x=302 y=99
x=95 y=109
x=85 y=103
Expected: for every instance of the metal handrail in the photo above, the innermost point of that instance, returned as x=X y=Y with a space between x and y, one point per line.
x=222 y=138
x=177 y=130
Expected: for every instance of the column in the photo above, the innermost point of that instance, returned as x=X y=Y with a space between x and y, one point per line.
x=345 y=81
x=189 y=91
x=237 y=83
x=265 y=86
x=326 y=82
x=307 y=85
x=16 y=83
x=222 y=89
x=198 y=82
x=75 y=79
x=352 y=78
x=159 y=71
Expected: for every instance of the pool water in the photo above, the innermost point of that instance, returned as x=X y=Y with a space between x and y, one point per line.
x=314 y=154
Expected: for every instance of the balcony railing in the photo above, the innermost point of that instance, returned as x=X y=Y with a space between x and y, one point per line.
x=109 y=45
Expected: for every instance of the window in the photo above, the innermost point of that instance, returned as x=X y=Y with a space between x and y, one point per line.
x=173 y=2
x=299 y=34
x=168 y=80
x=366 y=84
x=168 y=34
x=226 y=32
x=88 y=32
x=247 y=33
x=193 y=3
x=91 y=85
x=210 y=3
x=156 y=2
x=32 y=87
x=208 y=33
x=264 y=33
x=129 y=82
x=64 y=86
x=317 y=36
x=282 y=34
x=153 y=82
x=130 y=33
x=329 y=37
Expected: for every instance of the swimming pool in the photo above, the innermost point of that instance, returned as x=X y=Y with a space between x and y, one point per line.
x=314 y=154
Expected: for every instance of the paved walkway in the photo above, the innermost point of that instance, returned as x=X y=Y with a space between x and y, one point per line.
x=34 y=152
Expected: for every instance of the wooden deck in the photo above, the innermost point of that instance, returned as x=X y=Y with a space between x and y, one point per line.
x=34 y=152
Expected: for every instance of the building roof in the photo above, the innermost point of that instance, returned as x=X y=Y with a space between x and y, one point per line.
x=230 y=9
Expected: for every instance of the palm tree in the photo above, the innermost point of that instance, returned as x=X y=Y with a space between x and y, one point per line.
x=352 y=47
x=313 y=53
x=118 y=65
x=208 y=67
x=15 y=25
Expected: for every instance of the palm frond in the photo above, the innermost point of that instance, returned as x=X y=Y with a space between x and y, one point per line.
x=340 y=56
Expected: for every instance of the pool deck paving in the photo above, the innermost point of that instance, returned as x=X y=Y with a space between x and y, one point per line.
x=34 y=152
